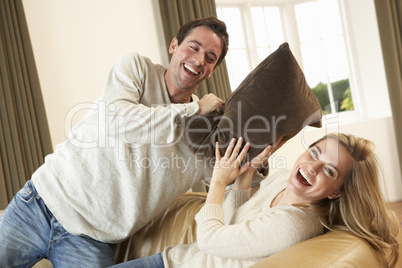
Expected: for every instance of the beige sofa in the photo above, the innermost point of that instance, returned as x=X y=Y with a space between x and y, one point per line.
x=177 y=225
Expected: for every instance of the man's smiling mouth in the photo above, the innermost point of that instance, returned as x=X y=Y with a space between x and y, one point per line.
x=190 y=69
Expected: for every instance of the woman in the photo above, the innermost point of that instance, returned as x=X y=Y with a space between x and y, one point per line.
x=334 y=185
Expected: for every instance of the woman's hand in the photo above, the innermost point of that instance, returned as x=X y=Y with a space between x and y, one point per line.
x=244 y=180
x=227 y=168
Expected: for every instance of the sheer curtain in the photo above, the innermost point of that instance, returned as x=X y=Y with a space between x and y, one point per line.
x=175 y=13
x=24 y=133
x=389 y=16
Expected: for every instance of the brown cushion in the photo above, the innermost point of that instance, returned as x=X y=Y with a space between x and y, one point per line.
x=273 y=100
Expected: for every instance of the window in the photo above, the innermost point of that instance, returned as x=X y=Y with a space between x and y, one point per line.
x=315 y=32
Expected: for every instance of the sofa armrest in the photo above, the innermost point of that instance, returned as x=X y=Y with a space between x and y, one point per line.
x=335 y=249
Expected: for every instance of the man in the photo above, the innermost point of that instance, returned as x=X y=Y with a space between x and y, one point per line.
x=122 y=164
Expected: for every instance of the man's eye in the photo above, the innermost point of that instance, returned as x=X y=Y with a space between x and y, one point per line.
x=211 y=60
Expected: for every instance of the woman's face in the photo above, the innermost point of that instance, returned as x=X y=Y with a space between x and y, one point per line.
x=319 y=172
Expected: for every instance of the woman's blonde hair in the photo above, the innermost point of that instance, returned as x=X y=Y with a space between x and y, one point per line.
x=361 y=208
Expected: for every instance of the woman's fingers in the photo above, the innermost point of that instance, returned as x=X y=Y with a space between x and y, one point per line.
x=217 y=151
x=230 y=148
x=236 y=150
x=261 y=157
x=244 y=168
x=278 y=143
x=233 y=153
x=243 y=152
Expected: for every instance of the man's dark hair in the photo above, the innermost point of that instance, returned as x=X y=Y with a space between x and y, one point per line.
x=214 y=24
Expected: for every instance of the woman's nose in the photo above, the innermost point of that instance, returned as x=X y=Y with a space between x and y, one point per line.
x=315 y=167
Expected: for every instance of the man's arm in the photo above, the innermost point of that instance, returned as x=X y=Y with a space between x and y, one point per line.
x=126 y=85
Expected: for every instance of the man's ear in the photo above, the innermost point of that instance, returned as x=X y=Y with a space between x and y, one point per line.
x=173 y=45
x=334 y=195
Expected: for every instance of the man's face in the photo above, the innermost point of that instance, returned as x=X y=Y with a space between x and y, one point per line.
x=194 y=60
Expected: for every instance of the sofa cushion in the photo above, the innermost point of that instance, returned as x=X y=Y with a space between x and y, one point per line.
x=158 y=234
x=333 y=249
x=274 y=100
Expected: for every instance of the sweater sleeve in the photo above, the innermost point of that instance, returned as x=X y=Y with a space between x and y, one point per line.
x=232 y=201
x=257 y=178
x=258 y=237
x=127 y=82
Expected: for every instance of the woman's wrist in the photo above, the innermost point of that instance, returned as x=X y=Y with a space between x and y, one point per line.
x=216 y=192
x=217 y=183
x=241 y=185
x=244 y=181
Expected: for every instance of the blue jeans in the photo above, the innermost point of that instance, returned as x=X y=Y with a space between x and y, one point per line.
x=29 y=233
x=154 y=261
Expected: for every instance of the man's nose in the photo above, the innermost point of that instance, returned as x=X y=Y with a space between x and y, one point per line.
x=199 y=59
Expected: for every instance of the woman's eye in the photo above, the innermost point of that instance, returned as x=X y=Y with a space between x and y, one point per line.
x=314 y=153
x=330 y=172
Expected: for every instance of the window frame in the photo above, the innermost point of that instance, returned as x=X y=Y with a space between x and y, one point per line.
x=289 y=24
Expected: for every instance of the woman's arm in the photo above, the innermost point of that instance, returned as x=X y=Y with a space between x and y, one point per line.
x=240 y=192
x=257 y=237
x=210 y=219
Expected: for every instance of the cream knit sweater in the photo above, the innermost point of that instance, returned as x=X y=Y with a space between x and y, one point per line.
x=124 y=162
x=243 y=233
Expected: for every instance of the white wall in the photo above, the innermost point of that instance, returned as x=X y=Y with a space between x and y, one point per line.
x=76 y=42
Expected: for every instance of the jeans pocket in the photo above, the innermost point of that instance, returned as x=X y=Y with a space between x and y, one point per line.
x=27 y=193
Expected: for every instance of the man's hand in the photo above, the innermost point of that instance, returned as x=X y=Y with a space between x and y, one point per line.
x=210 y=103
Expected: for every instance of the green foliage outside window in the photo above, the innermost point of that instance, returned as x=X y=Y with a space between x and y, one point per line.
x=342 y=96
x=347 y=103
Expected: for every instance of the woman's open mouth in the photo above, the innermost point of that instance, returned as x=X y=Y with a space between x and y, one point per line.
x=303 y=178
